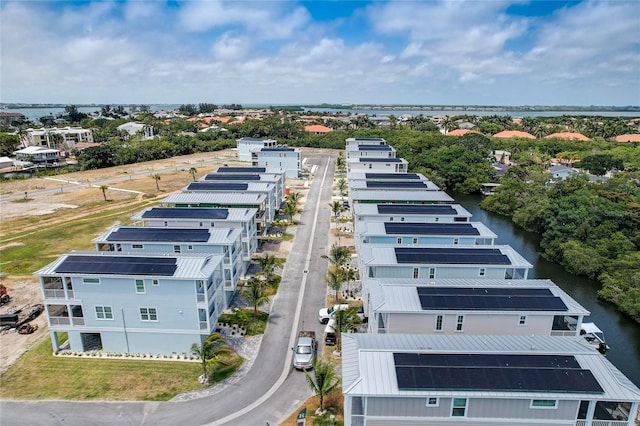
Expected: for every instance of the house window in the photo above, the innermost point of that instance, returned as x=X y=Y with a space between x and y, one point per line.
x=415 y=241
x=459 y=322
x=190 y=248
x=391 y=219
x=522 y=320
x=483 y=272
x=176 y=249
x=155 y=282
x=200 y=225
x=456 y=241
x=399 y=240
x=104 y=313
x=439 y=319
x=136 y=246
x=166 y=223
x=91 y=280
x=459 y=407
x=544 y=403
x=402 y=219
x=213 y=225
x=140 y=286
x=148 y=314
x=437 y=219
x=432 y=402
x=416 y=272
x=432 y=273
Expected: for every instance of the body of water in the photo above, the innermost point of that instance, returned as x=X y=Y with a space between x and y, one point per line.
x=413 y=112
x=622 y=334
x=34 y=114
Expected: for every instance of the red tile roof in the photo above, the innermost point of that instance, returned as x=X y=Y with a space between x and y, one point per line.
x=629 y=137
x=317 y=128
x=514 y=134
x=458 y=132
x=568 y=135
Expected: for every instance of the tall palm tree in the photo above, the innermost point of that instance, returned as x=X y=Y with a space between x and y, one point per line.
x=212 y=349
x=255 y=295
x=342 y=186
x=336 y=208
x=340 y=161
x=193 y=172
x=156 y=177
x=335 y=278
x=104 y=188
x=324 y=381
x=338 y=255
x=290 y=209
x=268 y=263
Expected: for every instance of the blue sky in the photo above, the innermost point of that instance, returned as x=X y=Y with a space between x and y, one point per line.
x=490 y=52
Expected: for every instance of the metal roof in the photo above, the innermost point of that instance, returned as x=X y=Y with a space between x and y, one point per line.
x=455 y=229
x=416 y=210
x=401 y=195
x=101 y=263
x=369 y=368
x=371 y=255
x=216 y=198
x=226 y=169
x=173 y=235
x=209 y=186
x=378 y=160
x=393 y=185
x=196 y=213
x=278 y=149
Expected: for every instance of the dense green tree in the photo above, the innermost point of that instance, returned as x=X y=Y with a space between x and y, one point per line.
x=8 y=144
x=255 y=295
x=599 y=164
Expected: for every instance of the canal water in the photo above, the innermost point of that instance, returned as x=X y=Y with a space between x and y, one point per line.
x=621 y=333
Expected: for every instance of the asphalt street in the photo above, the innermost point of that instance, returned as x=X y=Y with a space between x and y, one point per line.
x=271 y=390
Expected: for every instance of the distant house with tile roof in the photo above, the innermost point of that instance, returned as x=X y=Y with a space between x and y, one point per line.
x=513 y=134
x=317 y=129
x=629 y=137
x=567 y=135
x=458 y=132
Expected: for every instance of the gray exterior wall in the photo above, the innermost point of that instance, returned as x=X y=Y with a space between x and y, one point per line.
x=290 y=161
x=460 y=271
x=423 y=218
x=425 y=240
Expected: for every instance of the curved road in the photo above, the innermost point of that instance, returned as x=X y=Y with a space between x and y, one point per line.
x=271 y=390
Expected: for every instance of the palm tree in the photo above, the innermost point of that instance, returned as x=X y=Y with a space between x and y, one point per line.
x=340 y=161
x=350 y=275
x=269 y=262
x=255 y=295
x=193 y=172
x=345 y=321
x=156 y=177
x=342 y=186
x=290 y=209
x=335 y=278
x=336 y=208
x=338 y=255
x=324 y=381
x=104 y=188
x=202 y=352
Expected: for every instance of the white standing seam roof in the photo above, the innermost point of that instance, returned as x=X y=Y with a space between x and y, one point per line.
x=359 y=175
x=355 y=185
x=368 y=367
x=364 y=160
x=395 y=194
x=369 y=229
x=381 y=255
x=233 y=215
x=400 y=294
x=223 y=198
x=216 y=236
x=371 y=209
x=264 y=178
x=188 y=266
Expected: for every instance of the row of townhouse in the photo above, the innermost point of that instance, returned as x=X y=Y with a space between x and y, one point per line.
x=159 y=286
x=456 y=333
x=267 y=153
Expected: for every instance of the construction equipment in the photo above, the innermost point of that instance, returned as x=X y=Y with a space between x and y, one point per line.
x=4 y=295
x=27 y=328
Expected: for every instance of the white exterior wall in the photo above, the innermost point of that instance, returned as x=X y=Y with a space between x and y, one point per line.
x=290 y=161
x=247 y=145
x=458 y=271
x=375 y=167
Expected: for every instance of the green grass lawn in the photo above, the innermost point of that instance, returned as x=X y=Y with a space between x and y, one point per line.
x=40 y=375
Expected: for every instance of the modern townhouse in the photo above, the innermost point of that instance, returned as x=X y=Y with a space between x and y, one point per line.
x=471 y=306
x=177 y=217
x=386 y=176
x=416 y=234
x=272 y=202
x=60 y=138
x=434 y=380
x=226 y=242
x=264 y=213
x=289 y=159
x=130 y=303
x=277 y=171
x=485 y=262
x=247 y=145
x=38 y=155
x=376 y=165
x=370 y=151
x=364 y=141
x=424 y=213
x=392 y=185
x=398 y=196
x=277 y=180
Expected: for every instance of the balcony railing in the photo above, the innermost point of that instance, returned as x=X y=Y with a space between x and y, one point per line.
x=563 y=333
x=54 y=294
x=78 y=320
x=200 y=297
x=603 y=423
x=203 y=325
x=59 y=320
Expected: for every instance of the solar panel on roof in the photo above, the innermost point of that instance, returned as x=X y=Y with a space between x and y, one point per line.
x=227 y=169
x=390 y=176
x=374 y=148
x=217 y=186
x=277 y=149
x=379 y=160
x=231 y=176
x=185 y=213
x=491 y=303
x=480 y=256
x=118 y=265
x=484 y=291
x=493 y=372
x=395 y=184
x=440 y=209
x=408 y=228
x=160 y=234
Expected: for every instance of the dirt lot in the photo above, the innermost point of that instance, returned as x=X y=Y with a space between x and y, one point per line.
x=65 y=202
